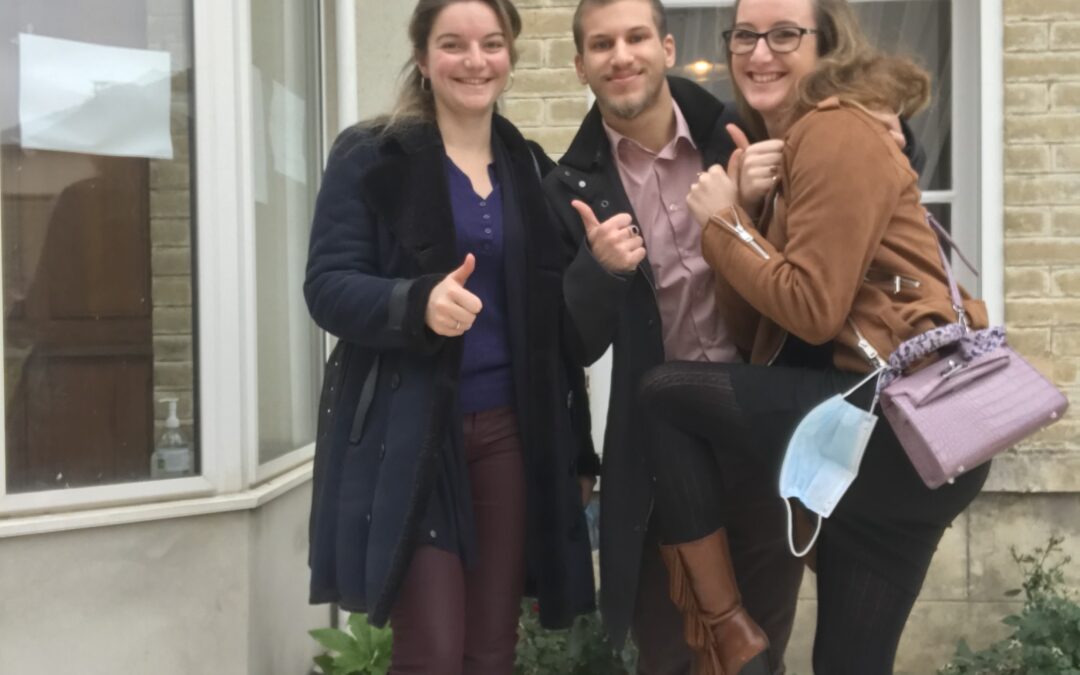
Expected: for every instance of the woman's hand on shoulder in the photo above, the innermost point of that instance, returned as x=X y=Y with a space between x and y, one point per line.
x=715 y=190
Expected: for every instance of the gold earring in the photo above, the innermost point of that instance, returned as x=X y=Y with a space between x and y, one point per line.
x=511 y=85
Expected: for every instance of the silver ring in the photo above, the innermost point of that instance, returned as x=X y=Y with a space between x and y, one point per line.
x=635 y=230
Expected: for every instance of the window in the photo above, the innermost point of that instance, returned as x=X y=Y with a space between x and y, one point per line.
x=287 y=162
x=116 y=307
x=940 y=35
x=97 y=220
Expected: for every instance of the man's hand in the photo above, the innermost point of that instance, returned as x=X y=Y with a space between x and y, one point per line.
x=892 y=120
x=715 y=190
x=451 y=310
x=616 y=243
x=759 y=170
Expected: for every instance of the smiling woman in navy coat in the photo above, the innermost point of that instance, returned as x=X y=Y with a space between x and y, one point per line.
x=453 y=449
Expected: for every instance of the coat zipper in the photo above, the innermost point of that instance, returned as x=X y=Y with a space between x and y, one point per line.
x=742 y=233
x=869 y=353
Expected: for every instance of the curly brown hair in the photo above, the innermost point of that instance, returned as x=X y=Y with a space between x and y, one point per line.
x=850 y=68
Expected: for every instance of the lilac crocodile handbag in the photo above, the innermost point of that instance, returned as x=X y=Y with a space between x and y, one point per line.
x=978 y=399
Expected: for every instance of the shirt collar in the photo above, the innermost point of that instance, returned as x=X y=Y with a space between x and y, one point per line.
x=682 y=132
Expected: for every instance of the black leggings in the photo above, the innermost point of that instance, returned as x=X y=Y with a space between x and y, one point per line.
x=876 y=547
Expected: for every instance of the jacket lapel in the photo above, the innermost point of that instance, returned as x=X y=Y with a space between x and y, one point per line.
x=408 y=191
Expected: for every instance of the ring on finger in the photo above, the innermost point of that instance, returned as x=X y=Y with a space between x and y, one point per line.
x=634 y=230
x=457 y=325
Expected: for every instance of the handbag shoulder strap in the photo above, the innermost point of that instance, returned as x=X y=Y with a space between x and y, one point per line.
x=954 y=288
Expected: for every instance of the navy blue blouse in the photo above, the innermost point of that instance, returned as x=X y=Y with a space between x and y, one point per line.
x=486 y=375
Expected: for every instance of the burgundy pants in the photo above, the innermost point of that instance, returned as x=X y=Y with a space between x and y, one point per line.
x=449 y=620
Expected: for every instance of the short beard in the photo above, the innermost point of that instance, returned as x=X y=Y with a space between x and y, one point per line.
x=631 y=109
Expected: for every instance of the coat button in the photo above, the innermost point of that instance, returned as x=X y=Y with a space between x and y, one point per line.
x=604 y=203
x=581 y=184
x=395 y=381
x=432 y=533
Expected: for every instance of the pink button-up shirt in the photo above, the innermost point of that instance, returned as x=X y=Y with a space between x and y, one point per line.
x=657 y=185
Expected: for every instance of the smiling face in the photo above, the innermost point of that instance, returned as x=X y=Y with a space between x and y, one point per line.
x=623 y=57
x=769 y=81
x=467 y=59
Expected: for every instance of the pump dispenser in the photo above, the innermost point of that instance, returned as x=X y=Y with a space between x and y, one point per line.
x=173 y=457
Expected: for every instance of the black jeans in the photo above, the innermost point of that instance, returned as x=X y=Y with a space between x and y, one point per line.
x=876 y=547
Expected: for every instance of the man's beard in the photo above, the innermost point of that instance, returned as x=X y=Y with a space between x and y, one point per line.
x=628 y=110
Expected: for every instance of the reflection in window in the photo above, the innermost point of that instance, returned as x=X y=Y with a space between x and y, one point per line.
x=287 y=160
x=914 y=27
x=97 y=229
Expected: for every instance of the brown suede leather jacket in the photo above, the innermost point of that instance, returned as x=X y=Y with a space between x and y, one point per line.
x=843 y=236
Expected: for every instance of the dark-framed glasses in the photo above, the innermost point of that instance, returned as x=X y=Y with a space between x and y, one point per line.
x=781 y=40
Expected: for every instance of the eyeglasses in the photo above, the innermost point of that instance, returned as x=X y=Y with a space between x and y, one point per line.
x=781 y=40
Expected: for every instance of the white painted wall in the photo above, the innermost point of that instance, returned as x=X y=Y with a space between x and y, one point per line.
x=382 y=47
x=215 y=594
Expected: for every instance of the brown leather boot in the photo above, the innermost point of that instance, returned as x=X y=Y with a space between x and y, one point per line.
x=726 y=639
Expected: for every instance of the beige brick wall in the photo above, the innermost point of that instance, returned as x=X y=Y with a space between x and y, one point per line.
x=170 y=237
x=547 y=102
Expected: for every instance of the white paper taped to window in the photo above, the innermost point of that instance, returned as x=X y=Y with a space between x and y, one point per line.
x=95 y=99
x=288 y=116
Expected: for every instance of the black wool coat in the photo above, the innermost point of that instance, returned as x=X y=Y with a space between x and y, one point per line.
x=389 y=470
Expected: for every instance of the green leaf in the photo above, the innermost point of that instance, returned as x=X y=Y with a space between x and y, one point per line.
x=332 y=639
x=325 y=662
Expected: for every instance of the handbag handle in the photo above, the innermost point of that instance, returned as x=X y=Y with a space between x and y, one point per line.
x=954 y=288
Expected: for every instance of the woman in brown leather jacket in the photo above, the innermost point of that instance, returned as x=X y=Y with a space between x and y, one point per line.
x=839 y=269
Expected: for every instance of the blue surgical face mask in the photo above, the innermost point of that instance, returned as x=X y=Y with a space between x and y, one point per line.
x=823 y=458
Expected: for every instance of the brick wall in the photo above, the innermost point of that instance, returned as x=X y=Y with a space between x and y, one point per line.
x=1042 y=194
x=170 y=235
x=547 y=102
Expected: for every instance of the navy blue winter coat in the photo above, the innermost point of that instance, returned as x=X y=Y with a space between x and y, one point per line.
x=389 y=467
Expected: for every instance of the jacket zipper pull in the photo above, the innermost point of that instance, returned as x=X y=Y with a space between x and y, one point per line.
x=867 y=349
x=741 y=232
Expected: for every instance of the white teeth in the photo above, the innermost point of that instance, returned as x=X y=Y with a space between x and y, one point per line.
x=761 y=78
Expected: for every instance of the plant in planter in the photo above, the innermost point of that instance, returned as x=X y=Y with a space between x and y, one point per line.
x=582 y=649
x=1046 y=633
x=363 y=650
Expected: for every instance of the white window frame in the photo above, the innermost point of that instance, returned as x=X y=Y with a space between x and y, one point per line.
x=976 y=190
x=231 y=477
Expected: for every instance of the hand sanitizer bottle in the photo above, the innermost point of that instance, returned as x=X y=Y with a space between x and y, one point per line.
x=173 y=457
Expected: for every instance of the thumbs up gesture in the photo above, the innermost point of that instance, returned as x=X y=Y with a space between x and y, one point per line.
x=715 y=190
x=616 y=243
x=451 y=310
x=759 y=168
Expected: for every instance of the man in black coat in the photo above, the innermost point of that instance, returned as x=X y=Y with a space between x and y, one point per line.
x=613 y=300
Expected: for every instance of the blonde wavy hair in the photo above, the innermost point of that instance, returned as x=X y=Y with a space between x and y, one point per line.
x=850 y=68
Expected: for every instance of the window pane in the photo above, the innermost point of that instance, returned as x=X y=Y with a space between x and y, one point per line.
x=287 y=123
x=914 y=27
x=95 y=122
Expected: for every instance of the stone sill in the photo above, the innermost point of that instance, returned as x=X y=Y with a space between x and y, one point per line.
x=139 y=513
